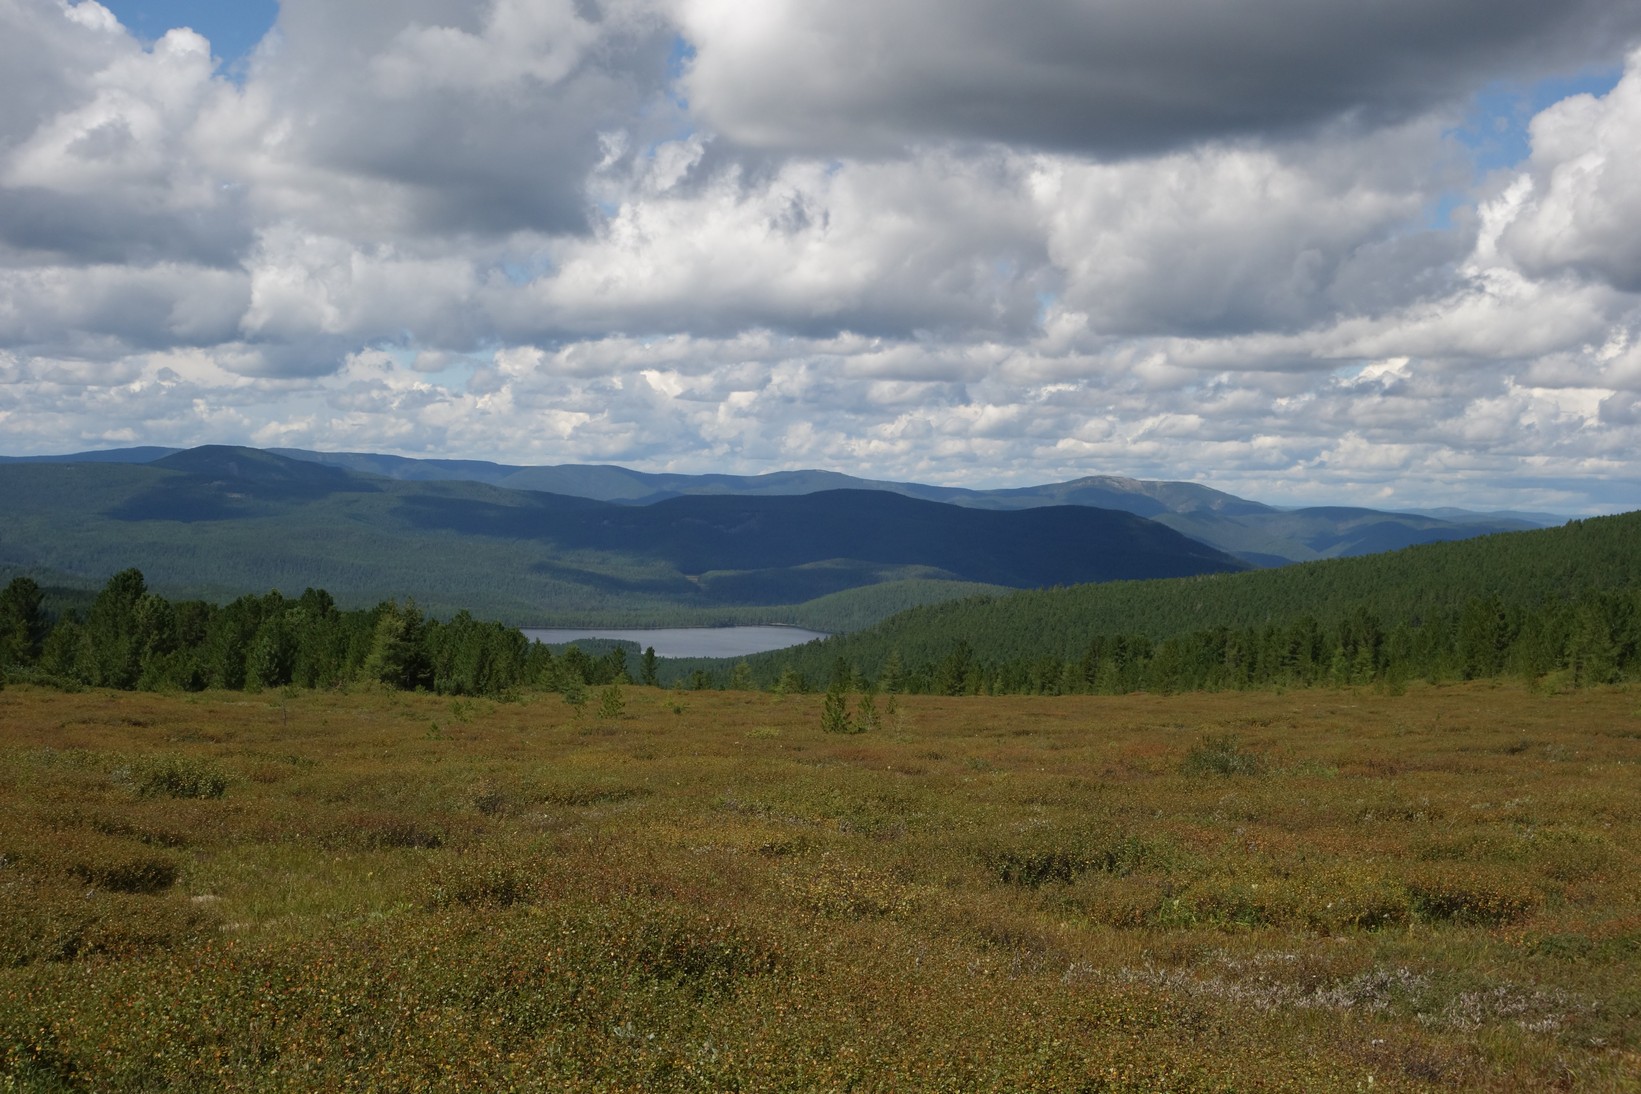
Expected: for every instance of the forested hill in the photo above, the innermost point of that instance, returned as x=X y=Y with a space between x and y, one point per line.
x=1254 y=532
x=217 y=522
x=1466 y=608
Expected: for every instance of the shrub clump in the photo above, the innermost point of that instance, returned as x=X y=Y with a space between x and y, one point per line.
x=178 y=777
x=128 y=873
x=380 y=831
x=1034 y=867
x=104 y=863
x=1467 y=899
x=484 y=882
x=1221 y=754
x=59 y=923
x=695 y=952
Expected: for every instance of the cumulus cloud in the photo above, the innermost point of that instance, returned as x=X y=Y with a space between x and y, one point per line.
x=1581 y=197
x=933 y=243
x=1237 y=244
x=1229 y=238
x=96 y=162
x=442 y=116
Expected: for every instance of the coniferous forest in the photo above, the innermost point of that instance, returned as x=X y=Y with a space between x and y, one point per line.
x=1562 y=603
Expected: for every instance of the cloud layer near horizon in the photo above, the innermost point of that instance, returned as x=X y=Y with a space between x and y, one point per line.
x=1247 y=246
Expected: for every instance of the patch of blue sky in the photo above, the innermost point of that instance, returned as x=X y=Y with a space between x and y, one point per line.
x=1439 y=213
x=234 y=27
x=526 y=271
x=1495 y=129
x=679 y=58
x=1494 y=132
x=453 y=371
x=1046 y=303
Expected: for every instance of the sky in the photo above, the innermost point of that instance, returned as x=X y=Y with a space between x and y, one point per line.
x=1310 y=253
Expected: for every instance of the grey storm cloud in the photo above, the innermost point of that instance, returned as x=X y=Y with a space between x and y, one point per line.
x=82 y=228
x=482 y=118
x=1114 y=78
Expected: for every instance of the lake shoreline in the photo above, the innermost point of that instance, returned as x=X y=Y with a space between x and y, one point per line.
x=680 y=642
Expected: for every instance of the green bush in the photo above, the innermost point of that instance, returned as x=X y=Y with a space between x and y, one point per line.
x=137 y=872
x=694 y=951
x=178 y=777
x=380 y=830
x=611 y=703
x=1221 y=754
x=835 y=715
x=1034 y=867
x=60 y=922
x=484 y=882
x=1468 y=899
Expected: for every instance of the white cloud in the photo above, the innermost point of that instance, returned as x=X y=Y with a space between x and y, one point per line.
x=896 y=238
x=931 y=243
x=1581 y=203
x=1223 y=238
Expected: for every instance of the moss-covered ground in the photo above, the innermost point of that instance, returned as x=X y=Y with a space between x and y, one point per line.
x=1318 y=890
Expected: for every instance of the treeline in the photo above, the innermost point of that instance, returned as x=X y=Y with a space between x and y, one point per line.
x=1561 y=600
x=1564 y=603
x=1593 y=640
x=131 y=638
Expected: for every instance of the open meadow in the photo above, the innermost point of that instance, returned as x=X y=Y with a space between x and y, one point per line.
x=666 y=890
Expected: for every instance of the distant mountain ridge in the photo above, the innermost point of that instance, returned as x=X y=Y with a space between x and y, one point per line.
x=1259 y=534
x=219 y=521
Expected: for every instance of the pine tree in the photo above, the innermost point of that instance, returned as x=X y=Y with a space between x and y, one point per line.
x=835 y=713
x=611 y=702
x=866 y=715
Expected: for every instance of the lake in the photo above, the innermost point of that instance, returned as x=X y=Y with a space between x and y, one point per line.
x=689 y=641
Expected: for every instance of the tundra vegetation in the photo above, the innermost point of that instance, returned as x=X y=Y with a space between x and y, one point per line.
x=1391 y=840
x=363 y=888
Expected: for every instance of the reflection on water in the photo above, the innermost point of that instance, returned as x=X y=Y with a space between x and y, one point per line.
x=690 y=641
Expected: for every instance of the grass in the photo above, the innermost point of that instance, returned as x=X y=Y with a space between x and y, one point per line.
x=1311 y=891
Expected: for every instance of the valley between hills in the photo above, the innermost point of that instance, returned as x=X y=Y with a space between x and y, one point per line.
x=589 y=545
x=1074 y=802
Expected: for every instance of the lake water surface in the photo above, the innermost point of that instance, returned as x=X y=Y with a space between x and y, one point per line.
x=689 y=641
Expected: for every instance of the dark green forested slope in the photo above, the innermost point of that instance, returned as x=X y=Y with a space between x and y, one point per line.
x=1252 y=531
x=1433 y=606
x=1564 y=603
x=217 y=522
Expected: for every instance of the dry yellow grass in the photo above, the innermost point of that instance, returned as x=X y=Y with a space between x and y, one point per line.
x=1307 y=891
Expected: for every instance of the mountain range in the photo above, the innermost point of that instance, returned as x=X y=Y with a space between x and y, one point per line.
x=217 y=522
x=1259 y=534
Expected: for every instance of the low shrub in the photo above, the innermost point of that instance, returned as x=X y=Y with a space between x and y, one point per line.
x=90 y=858
x=382 y=830
x=178 y=777
x=1038 y=867
x=55 y=923
x=838 y=891
x=603 y=794
x=478 y=882
x=129 y=873
x=1221 y=754
x=694 y=951
x=1034 y=867
x=1468 y=898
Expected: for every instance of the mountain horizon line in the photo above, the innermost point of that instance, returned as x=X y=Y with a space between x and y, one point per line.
x=615 y=476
